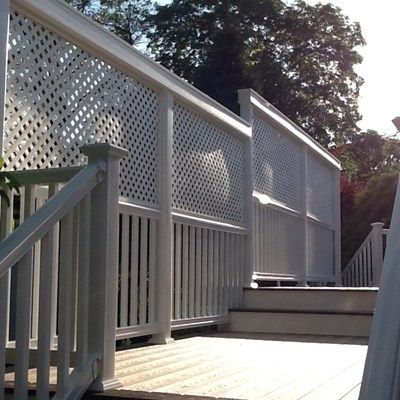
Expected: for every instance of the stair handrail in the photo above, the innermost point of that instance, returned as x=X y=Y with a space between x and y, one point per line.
x=37 y=225
x=79 y=223
x=382 y=369
x=375 y=237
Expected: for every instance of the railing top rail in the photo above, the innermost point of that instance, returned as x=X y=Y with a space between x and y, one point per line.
x=203 y=222
x=284 y=122
x=38 y=224
x=348 y=265
x=45 y=176
x=91 y=37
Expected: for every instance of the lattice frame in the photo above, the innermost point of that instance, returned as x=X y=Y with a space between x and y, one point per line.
x=59 y=97
x=319 y=189
x=277 y=169
x=208 y=168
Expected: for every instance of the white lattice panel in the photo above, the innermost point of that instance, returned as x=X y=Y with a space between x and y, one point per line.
x=207 y=168
x=60 y=97
x=276 y=164
x=320 y=186
x=320 y=251
x=279 y=242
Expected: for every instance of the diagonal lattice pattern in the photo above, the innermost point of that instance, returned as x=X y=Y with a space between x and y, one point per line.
x=320 y=184
x=59 y=97
x=276 y=164
x=207 y=168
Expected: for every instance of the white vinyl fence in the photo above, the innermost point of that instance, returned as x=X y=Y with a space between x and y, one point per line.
x=365 y=267
x=207 y=201
x=296 y=199
x=69 y=83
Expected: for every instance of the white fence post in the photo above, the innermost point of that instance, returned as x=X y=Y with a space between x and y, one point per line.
x=165 y=230
x=246 y=112
x=377 y=251
x=303 y=210
x=4 y=28
x=104 y=262
x=337 y=249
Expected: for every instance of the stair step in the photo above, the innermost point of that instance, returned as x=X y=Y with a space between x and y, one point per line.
x=301 y=322
x=356 y=300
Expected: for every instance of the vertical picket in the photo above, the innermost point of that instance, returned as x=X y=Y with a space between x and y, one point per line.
x=216 y=273
x=64 y=310
x=53 y=189
x=143 y=273
x=5 y=282
x=210 y=272
x=192 y=270
x=152 y=270
x=134 y=272
x=124 y=277
x=221 y=278
x=178 y=270
x=185 y=270
x=23 y=311
x=198 y=271
x=83 y=281
x=204 y=275
x=45 y=305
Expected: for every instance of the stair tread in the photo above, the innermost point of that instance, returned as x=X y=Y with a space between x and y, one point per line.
x=294 y=311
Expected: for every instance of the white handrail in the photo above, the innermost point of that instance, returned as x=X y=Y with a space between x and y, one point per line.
x=367 y=260
x=357 y=252
x=37 y=225
x=381 y=379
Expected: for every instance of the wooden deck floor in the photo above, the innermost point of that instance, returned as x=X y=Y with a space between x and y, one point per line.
x=247 y=367
x=239 y=366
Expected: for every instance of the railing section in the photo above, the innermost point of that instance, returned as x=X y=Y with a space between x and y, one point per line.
x=296 y=224
x=364 y=268
x=381 y=372
x=51 y=281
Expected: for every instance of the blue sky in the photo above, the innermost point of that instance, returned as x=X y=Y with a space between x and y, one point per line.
x=380 y=95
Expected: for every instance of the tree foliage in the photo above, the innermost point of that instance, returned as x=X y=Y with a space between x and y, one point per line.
x=126 y=18
x=299 y=57
x=371 y=165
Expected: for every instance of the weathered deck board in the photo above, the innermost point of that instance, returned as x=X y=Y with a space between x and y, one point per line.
x=251 y=367
x=234 y=366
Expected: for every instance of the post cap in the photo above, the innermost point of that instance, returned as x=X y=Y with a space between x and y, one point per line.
x=377 y=224
x=101 y=150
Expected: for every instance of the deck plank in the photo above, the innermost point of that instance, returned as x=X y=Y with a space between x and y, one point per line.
x=254 y=366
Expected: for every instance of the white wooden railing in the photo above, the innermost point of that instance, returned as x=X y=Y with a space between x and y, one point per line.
x=364 y=268
x=296 y=218
x=381 y=379
x=58 y=267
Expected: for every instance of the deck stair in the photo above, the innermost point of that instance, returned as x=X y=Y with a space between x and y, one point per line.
x=308 y=311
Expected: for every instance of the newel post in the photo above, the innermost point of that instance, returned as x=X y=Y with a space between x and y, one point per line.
x=104 y=261
x=247 y=113
x=377 y=251
x=165 y=227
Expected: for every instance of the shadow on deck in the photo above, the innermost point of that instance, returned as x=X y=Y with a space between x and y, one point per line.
x=242 y=366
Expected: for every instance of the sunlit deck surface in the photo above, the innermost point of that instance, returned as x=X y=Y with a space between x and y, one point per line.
x=247 y=366
x=239 y=366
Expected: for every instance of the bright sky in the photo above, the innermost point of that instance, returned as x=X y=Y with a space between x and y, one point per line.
x=380 y=95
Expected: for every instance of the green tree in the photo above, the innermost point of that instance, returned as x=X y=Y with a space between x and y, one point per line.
x=371 y=165
x=126 y=18
x=374 y=203
x=299 y=57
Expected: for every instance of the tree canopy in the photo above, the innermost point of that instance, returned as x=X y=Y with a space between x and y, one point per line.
x=300 y=57
x=371 y=165
x=125 y=18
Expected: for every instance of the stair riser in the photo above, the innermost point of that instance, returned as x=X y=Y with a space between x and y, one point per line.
x=301 y=323
x=310 y=300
